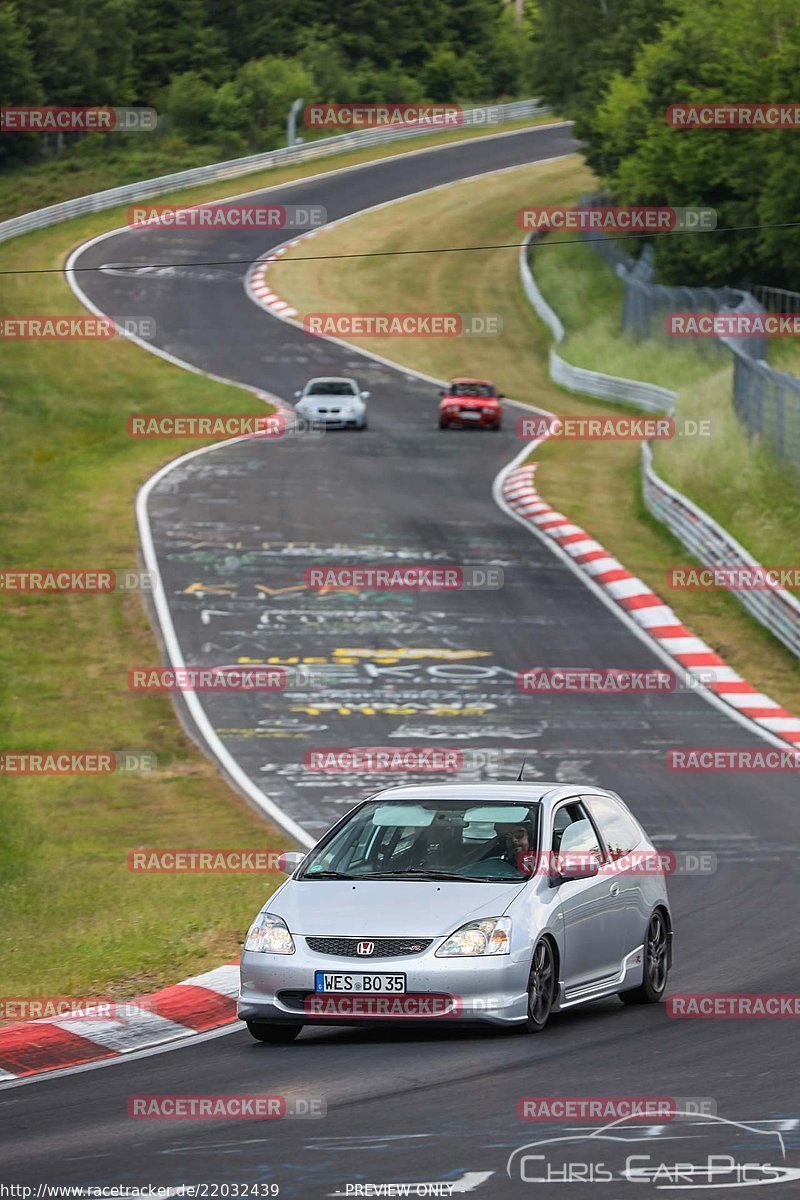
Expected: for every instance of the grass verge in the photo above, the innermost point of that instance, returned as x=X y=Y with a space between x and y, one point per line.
x=68 y=475
x=733 y=477
x=595 y=483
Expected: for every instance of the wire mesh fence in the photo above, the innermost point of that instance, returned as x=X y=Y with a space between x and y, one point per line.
x=766 y=401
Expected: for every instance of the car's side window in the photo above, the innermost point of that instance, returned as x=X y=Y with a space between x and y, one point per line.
x=620 y=832
x=573 y=832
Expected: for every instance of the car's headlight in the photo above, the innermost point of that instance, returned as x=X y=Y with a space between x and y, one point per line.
x=492 y=935
x=270 y=935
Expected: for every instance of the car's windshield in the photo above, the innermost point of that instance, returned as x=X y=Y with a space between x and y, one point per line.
x=331 y=387
x=472 y=389
x=435 y=839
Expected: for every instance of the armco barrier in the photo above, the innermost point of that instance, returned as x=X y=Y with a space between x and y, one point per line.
x=713 y=546
x=776 y=609
x=473 y=118
x=646 y=396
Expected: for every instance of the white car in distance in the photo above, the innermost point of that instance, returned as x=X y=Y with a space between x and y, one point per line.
x=334 y=402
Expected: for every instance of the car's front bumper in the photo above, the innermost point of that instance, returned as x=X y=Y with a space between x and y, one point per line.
x=482 y=421
x=493 y=989
x=346 y=420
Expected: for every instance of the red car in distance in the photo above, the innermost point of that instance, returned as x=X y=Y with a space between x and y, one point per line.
x=470 y=402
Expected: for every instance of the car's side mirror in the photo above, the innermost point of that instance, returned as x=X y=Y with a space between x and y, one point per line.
x=298 y=393
x=365 y=395
x=442 y=392
x=290 y=861
x=568 y=867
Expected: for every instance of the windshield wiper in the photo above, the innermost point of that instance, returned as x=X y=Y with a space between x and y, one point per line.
x=328 y=875
x=412 y=873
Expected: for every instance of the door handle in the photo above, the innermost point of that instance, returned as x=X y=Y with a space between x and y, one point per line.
x=614 y=889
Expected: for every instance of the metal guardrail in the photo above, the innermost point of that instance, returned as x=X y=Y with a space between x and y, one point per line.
x=778 y=300
x=40 y=218
x=776 y=609
x=647 y=396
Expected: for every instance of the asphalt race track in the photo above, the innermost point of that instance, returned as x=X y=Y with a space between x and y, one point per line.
x=235 y=530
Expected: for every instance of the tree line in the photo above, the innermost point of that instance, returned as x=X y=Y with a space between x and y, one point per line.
x=224 y=72
x=616 y=66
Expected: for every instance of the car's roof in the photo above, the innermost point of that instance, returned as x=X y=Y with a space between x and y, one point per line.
x=486 y=793
x=470 y=379
x=331 y=379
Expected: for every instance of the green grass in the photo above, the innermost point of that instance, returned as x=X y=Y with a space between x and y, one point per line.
x=730 y=475
x=75 y=920
x=596 y=483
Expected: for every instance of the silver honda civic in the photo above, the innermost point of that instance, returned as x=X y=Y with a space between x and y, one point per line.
x=498 y=903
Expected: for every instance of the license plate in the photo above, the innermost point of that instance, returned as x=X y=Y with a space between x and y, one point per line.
x=337 y=981
x=470 y=416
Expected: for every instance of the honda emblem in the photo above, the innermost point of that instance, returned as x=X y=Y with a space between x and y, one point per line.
x=365 y=948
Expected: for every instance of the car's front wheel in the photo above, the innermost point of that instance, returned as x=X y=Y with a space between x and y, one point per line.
x=656 y=964
x=262 y=1031
x=541 y=987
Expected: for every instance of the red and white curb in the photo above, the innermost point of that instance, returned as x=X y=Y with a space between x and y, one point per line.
x=193 y=1006
x=655 y=618
x=257 y=278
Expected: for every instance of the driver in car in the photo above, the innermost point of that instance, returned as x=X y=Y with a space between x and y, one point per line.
x=519 y=850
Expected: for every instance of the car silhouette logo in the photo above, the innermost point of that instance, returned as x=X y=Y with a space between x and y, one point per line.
x=365 y=948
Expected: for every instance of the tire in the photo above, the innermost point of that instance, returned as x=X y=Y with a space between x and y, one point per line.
x=262 y=1031
x=541 y=987
x=443 y=425
x=363 y=425
x=655 y=969
x=497 y=427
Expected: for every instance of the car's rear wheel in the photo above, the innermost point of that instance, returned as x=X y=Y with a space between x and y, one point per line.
x=262 y=1031
x=443 y=424
x=656 y=964
x=541 y=987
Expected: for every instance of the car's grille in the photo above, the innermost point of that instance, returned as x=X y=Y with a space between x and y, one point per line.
x=383 y=947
